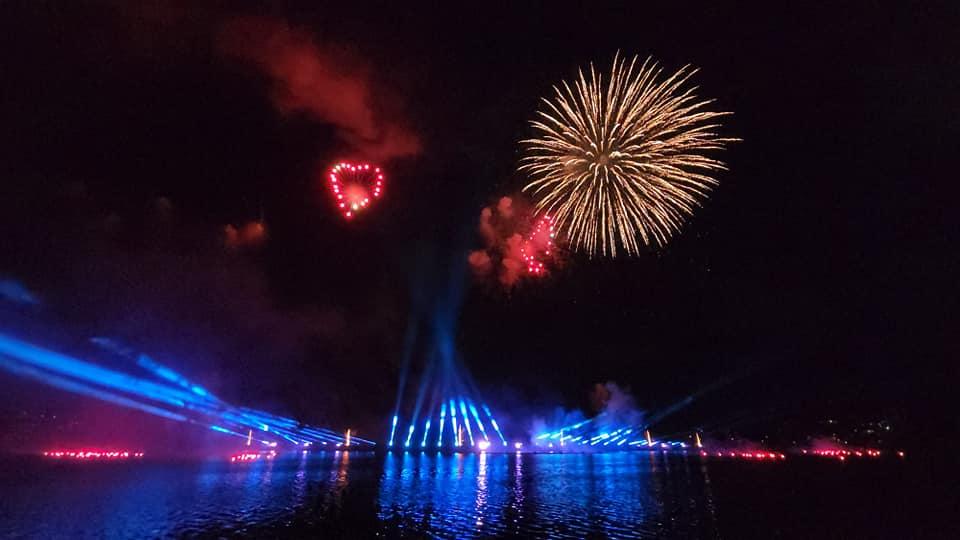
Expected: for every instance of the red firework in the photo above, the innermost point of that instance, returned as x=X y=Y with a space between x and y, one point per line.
x=355 y=186
x=537 y=247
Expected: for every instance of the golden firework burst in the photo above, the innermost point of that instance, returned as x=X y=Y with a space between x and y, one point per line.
x=622 y=162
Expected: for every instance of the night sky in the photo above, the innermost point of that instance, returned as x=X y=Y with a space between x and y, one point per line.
x=817 y=278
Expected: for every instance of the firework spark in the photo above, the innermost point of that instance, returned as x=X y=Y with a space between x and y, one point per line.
x=622 y=162
x=538 y=246
x=353 y=185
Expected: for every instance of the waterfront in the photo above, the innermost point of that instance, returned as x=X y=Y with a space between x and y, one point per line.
x=617 y=495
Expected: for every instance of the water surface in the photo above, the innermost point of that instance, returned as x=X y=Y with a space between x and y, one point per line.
x=357 y=495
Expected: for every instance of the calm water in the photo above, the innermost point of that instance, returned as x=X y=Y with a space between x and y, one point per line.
x=356 y=495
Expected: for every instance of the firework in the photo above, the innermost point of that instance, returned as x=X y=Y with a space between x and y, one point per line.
x=355 y=186
x=538 y=246
x=622 y=162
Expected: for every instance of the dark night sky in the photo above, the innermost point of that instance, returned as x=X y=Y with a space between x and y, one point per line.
x=818 y=275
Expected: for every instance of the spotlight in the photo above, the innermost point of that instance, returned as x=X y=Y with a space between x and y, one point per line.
x=518 y=445
x=483 y=445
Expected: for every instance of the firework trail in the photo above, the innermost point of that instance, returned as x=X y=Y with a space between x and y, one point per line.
x=622 y=162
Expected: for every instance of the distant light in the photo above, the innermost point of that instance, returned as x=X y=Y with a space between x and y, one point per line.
x=518 y=445
x=483 y=445
x=92 y=454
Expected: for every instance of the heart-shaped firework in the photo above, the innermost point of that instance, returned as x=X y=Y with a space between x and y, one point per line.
x=538 y=246
x=355 y=186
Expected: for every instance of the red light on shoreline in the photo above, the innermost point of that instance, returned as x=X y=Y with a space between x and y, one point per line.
x=251 y=456
x=92 y=454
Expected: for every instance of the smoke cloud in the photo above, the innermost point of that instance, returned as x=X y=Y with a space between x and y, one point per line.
x=188 y=293
x=611 y=407
x=502 y=227
x=320 y=81
x=616 y=404
x=14 y=291
x=251 y=235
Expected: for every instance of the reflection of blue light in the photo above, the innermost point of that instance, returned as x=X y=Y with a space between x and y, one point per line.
x=474 y=493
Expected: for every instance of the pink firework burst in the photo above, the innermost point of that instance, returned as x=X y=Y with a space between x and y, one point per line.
x=355 y=186
x=538 y=247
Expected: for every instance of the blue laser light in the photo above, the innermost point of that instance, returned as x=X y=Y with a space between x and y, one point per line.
x=393 y=430
x=466 y=421
x=426 y=431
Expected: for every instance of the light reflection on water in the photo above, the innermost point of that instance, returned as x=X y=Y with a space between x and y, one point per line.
x=626 y=495
x=349 y=494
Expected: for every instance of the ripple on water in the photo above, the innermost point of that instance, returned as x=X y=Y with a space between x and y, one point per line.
x=628 y=495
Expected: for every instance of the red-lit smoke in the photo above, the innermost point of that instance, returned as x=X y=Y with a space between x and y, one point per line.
x=354 y=186
x=250 y=235
x=322 y=82
x=516 y=243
